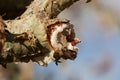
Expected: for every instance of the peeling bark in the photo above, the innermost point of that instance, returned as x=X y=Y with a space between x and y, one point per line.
x=31 y=36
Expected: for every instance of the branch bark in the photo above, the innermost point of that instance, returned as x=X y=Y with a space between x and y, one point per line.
x=38 y=35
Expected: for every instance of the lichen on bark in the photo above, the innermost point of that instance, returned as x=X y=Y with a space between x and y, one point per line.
x=27 y=36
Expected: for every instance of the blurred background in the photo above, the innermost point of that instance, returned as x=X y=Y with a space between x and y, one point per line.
x=97 y=25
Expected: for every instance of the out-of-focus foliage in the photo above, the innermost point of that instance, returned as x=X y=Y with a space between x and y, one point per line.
x=11 y=9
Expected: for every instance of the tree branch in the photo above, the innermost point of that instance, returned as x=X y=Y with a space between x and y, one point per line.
x=38 y=34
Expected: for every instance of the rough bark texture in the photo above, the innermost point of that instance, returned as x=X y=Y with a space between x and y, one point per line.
x=31 y=36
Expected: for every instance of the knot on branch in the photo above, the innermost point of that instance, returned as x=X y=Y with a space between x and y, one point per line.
x=61 y=36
